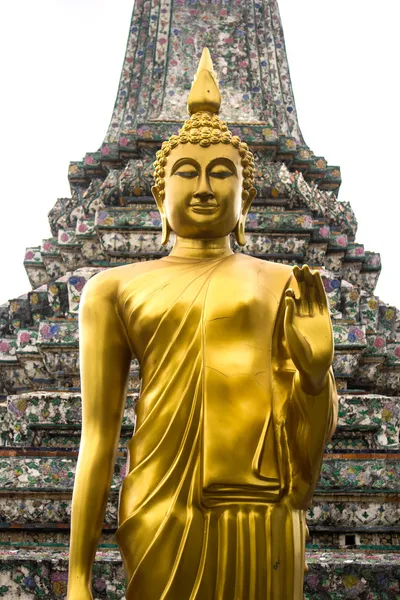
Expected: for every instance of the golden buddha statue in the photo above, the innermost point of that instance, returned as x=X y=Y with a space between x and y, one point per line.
x=238 y=397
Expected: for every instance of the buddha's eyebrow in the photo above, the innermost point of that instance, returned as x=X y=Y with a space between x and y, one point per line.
x=223 y=161
x=184 y=161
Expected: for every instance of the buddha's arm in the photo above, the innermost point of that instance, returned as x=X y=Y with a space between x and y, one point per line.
x=306 y=354
x=316 y=419
x=105 y=359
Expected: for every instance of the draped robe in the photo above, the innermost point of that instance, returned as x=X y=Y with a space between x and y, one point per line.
x=227 y=448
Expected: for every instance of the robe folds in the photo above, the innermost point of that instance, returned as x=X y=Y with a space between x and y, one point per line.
x=227 y=448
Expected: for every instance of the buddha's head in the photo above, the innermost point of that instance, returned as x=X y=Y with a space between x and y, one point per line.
x=204 y=176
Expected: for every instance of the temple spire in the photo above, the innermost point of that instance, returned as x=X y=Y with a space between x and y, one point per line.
x=247 y=43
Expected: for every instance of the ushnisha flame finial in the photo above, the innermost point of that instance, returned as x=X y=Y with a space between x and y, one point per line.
x=204 y=95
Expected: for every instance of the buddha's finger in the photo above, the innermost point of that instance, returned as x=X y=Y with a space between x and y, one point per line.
x=306 y=309
x=297 y=272
x=290 y=294
x=311 y=291
x=322 y=297
x=290 y=308
x=303 y=301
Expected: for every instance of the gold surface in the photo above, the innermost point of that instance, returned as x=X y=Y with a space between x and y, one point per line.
x=205 y=94
x=237 y=399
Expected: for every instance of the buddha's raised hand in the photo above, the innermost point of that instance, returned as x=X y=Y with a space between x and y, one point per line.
x=308 y=329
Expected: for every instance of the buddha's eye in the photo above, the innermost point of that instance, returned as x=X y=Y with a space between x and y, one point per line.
x=186 y=174
x=221 y=174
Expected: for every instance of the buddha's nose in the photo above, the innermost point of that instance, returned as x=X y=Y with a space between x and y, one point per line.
x=204 y=192
x=204 y=195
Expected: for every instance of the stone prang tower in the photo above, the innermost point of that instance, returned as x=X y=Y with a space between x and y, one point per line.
x=111 y=219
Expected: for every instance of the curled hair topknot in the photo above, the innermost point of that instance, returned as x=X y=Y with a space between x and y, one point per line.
x=204 y=128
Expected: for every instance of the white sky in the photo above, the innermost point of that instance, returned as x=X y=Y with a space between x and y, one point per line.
x=60 y=65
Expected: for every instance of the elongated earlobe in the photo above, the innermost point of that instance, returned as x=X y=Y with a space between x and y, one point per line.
x=166 y=228
x=239 y=230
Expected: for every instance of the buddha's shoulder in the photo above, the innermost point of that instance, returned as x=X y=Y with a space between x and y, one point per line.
x=108 y=283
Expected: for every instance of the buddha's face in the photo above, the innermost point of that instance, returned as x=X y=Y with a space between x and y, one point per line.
x=203 y=190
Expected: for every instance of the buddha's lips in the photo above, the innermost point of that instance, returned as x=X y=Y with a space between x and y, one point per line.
x=204 y=207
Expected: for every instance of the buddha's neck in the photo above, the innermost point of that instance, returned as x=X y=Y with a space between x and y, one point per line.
x=201 y=249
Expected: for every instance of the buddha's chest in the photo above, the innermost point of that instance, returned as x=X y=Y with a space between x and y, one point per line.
x=225 y=310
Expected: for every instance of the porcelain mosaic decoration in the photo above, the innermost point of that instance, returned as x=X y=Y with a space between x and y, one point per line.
x=111 y=219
